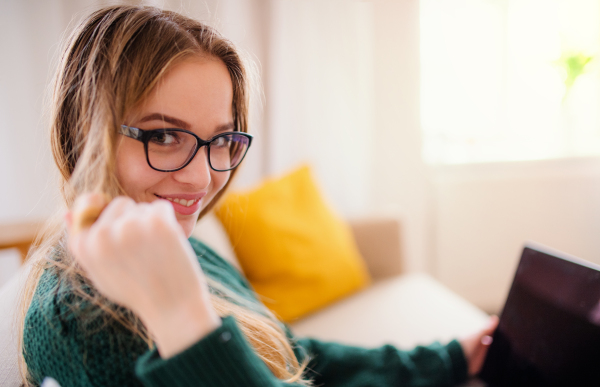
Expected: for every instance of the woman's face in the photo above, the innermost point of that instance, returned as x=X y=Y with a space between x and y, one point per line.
x=195 y=95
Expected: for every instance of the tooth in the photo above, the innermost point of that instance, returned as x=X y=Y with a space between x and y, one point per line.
x=170 y=199
x=176 y=200
x=190 y=202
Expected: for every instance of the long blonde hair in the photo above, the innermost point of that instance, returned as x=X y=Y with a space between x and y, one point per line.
x=110 y=65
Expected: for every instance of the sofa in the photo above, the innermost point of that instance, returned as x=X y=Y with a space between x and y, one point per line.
x=400 y=308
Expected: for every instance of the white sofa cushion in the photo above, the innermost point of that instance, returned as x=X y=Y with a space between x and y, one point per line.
x=404 y=311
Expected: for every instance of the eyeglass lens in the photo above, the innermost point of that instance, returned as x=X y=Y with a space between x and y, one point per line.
x=170 y=150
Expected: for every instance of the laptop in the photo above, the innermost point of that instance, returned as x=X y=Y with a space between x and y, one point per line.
x=549 y=330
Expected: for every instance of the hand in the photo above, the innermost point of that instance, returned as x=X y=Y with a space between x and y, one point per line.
x=475 y=347
x=138 y=256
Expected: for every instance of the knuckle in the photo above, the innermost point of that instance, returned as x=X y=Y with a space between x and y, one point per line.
x=157 y=222
x=99 y=242
x=126 y=229
x=162 y=207
x=100 y=232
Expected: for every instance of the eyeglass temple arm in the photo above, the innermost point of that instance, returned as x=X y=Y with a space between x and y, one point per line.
x=128 y=131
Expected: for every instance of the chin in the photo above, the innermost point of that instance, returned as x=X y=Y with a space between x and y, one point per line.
x=188 y=225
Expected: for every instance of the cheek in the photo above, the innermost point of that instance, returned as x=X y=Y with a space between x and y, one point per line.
x=133 y=172
x=219 y=180
x=223 y=178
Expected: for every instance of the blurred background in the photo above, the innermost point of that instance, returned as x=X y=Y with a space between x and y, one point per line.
x=474 y=122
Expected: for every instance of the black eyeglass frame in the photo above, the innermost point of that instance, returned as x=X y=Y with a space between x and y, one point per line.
x=144 y=136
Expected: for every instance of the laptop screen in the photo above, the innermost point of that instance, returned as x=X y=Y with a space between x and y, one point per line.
x=549 y=330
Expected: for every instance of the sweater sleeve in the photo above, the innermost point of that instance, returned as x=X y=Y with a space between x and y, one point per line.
x=222 y=358
x=336 y=365
x=76 y=351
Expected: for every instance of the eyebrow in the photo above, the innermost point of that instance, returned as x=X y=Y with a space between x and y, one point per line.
x=171 y=120
x=182 y=124
x=230 y=127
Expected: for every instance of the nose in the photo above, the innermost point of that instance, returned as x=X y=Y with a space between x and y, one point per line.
x=197 y=172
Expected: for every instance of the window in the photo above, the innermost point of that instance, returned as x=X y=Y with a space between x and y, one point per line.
x=505 y=80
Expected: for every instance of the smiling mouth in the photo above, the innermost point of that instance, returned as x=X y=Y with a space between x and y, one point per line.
x=183 y=202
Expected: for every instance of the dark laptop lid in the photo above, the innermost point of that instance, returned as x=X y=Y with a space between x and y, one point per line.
x=549 y=330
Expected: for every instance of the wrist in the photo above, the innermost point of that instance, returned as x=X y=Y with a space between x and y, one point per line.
x=176 y=329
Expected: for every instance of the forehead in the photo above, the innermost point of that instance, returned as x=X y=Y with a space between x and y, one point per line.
x=198 y=91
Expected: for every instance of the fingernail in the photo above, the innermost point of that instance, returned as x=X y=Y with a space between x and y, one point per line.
x=486 y=340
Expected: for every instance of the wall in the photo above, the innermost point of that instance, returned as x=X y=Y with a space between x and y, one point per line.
x=485 y=213
x=26 y=189
x=400 y=179
x=467 y=224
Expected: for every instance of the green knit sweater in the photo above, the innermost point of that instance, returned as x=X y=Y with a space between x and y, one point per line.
x=57 y=343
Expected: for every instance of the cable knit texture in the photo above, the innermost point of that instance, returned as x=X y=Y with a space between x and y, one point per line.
x=90 y=352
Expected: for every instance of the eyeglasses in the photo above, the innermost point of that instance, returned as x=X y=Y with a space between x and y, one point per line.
x=169 y=150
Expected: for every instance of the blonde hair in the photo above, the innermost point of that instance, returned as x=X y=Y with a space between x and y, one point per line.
x=110 y=65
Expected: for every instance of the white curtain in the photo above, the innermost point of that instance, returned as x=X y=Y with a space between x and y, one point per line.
x=319 y=95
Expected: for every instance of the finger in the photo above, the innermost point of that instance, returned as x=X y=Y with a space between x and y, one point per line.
x=164 y=209
x=482 y=345
x=485 y=337
x=163 y=206
x=69 y=219
x=115 y=209
x=86 y=209
x=487 y=340
x=478 y=356
x=491 y=326
x=77 y=241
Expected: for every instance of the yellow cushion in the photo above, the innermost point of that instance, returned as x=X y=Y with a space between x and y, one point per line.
x=297 y=254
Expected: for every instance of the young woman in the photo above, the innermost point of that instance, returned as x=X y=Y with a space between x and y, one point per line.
x=150 y=110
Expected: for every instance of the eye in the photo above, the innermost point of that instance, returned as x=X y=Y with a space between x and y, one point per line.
x=165 y=138
x=221 y=142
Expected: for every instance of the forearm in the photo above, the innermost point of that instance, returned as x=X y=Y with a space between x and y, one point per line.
x=340 y=365
x=221 y=358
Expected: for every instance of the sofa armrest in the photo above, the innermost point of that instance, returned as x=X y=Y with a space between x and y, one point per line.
x=378 y=240
x=19 y=235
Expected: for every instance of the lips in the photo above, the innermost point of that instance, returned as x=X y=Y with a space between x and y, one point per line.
x=185 y=204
